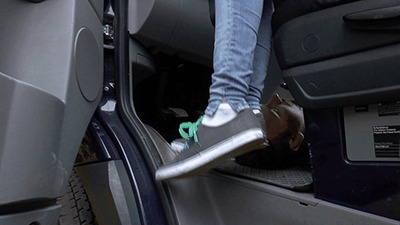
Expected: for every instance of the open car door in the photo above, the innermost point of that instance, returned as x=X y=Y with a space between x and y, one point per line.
x=51 y=72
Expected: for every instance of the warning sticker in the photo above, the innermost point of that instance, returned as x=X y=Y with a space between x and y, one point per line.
x=387 y=140
x=389 y=109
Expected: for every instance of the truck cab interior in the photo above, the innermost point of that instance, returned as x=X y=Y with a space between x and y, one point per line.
x=339 y=62
x=123 y=74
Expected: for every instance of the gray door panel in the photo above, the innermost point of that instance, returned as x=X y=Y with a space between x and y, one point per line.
x=51 y=73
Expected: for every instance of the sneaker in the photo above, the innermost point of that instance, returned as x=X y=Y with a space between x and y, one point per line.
x=207 y=146
x=262 y=123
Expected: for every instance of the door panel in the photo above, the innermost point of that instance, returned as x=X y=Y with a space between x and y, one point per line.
x=51 y=73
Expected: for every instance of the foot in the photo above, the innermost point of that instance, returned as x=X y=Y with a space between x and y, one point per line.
x=211 y=145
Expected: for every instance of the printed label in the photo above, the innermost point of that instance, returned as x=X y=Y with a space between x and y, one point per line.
x=389 y=109
x=387 y=139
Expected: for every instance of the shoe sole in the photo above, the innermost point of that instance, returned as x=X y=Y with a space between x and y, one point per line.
x=210 y=158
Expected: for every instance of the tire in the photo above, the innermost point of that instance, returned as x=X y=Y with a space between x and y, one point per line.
x=76 y=209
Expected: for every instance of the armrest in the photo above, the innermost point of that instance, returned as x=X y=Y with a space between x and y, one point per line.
x=387 y=18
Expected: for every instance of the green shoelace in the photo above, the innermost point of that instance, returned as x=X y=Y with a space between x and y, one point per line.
x=191 y=130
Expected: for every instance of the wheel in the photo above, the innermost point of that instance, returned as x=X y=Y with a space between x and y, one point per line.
x=76 y=209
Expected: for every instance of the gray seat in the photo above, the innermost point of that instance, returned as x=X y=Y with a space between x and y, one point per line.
x=359 y=69
x=341 y=63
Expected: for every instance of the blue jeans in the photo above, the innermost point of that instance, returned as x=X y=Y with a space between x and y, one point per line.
x=241 y=53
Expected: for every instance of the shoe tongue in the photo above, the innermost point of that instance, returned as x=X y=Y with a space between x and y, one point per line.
x=224 y=114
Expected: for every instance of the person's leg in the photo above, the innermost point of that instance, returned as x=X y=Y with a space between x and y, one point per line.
x=261 y=57
x=236 y=28
x=210 y=141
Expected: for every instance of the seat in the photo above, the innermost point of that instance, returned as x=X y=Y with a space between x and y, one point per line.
x=340 y=60
x=335 y=53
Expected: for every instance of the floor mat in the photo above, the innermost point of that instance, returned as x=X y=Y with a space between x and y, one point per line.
x=296 y=179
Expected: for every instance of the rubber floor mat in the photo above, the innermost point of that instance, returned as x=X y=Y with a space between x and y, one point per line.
x=296 y=179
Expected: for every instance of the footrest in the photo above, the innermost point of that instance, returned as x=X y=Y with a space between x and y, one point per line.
x=296 y=179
